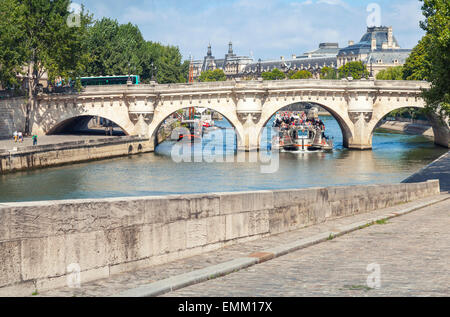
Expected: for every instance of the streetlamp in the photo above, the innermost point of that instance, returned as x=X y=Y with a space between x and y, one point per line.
x=154 y=68
x=371 y=69
x=259 y=67
x=129 y=82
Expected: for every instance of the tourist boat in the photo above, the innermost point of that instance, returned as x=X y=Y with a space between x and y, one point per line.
x=302 y=138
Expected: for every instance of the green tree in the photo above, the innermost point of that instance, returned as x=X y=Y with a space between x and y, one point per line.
x=170 y=68
x=275 y=74
x=391 y=73
x=119 y=49
x=12 y=56
x=328 y=73
x=213 y=75
x=437 y=27
x=418 y=65
x=301 y=74
x=114 y=49
x=357 y=70
x=44 y=43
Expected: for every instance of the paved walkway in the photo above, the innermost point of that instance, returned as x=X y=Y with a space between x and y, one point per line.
x=439 y=169
x=412 y=251
x=315 y=268
x=49 y=139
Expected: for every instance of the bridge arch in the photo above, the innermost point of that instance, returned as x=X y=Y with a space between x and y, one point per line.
x=441 y=130
x=163 y=113
x=338 y=111
x=52 y=117
x=77 y=124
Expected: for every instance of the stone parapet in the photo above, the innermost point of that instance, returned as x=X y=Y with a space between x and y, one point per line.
x=39 y=240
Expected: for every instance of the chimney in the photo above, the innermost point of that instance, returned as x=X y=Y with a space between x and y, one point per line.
x=390 y=37
x=373 y=45
x=350 y=43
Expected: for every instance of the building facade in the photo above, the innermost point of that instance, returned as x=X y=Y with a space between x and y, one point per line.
x=313 y=61
x=378 y=49
x=231 y=64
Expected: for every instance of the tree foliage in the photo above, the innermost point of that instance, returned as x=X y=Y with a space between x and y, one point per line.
x=418 y=65
x=213 y=75
x=391 y=73
x=275 y=74
x=357 y=70
x=35 y=40
x=301 y=74
x=437 y=52
x=12 y=51
x=328 y=73
x=120 y=49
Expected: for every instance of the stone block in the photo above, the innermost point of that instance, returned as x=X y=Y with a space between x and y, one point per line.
x=177 y=236
x=43 y=257
x=5 y=223
x=196 y=233
x=128 y=244
x=216 y=229
x=237 y=226
x=202 y=206
x=160 y=239
x=258 y=222
x=10 y=270
x=231 y=203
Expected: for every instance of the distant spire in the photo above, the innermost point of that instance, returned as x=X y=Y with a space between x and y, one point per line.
x=209 y=50
x=230 y=48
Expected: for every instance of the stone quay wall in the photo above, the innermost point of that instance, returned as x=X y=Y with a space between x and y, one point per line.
x=41 y=241
x=408 y=127
x=12 y=116
x=39 y=156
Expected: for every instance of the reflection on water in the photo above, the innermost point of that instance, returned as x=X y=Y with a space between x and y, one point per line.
x=394 y=157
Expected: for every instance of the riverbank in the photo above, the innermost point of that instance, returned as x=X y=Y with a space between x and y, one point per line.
x=24 y=156
x=439 y=169
x=407 y=127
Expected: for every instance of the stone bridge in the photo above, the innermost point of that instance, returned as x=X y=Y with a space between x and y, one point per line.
x=357 y=105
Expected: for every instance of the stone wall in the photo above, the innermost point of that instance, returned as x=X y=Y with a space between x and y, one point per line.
x=30 y=157
x=39 y=240
x=12 y=116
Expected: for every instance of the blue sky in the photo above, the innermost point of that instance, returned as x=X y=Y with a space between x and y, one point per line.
x=262 y=28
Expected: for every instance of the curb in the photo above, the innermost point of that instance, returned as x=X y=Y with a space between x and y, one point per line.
x=183 y=280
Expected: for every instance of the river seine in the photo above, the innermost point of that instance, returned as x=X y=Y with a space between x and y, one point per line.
x=394 y=157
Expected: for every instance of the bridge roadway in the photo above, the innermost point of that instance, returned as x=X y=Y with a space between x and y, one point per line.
x=357 y=105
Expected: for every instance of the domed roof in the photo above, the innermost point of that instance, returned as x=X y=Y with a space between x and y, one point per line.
x=381 y=36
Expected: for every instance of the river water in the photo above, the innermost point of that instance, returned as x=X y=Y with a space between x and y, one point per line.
x=394 y=157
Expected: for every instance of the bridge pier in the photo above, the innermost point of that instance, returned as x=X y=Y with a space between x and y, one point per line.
x=361 y=134
x=441 y=130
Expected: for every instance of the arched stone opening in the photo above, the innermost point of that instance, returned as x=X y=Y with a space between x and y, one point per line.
x=441 y=129
x=343 y=124
x=160 y=118
x=87 y=125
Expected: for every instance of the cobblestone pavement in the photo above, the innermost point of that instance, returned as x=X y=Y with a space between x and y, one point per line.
x=120 y=282
x=413 y=252
x=439 y=169
x=9 y=144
